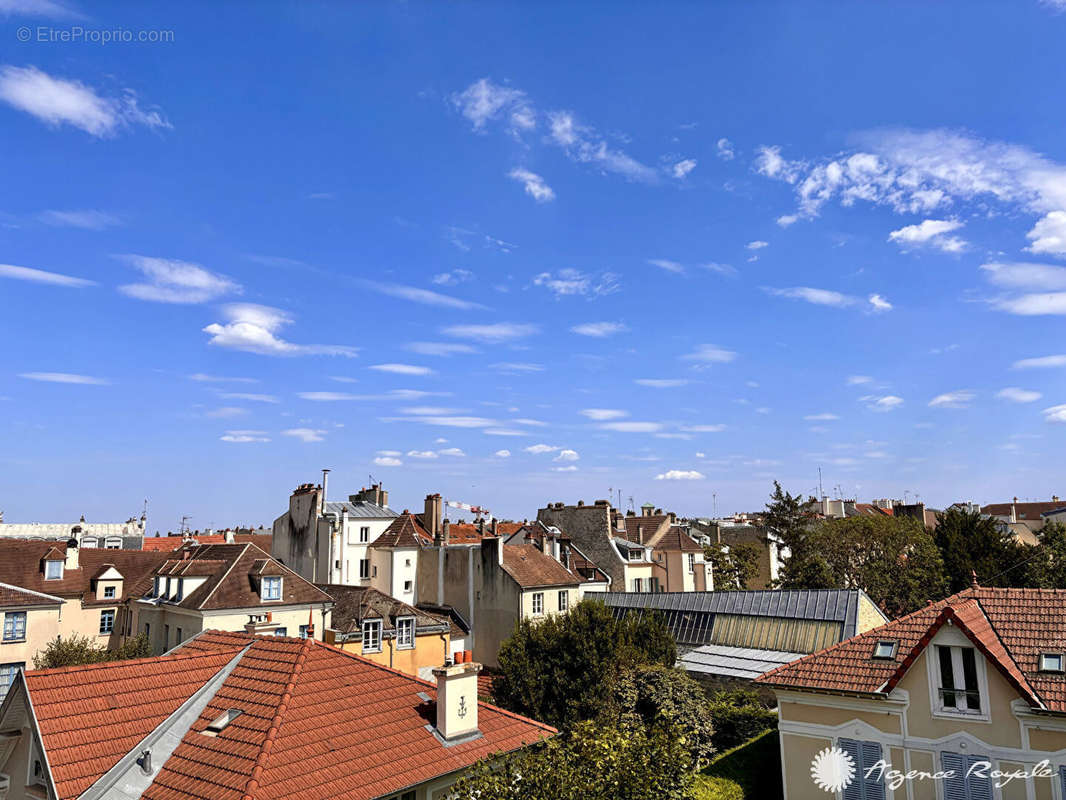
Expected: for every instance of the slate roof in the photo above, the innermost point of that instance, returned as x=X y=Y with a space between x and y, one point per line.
x=361 y=510
x=733 y=662
x=20 y=565
x=404 y=531
x=531 y=568
x=316 y=722
x=353 y=604
x=16 y=596
x=232 y=572
x=1011 y=627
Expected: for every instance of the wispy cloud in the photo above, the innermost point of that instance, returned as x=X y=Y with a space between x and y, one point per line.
x=1042 y=362
x=725 y=149
x=603 y=414
x=884 y=403
x=660 y=383
x=682 y=168
x=1055 y=414
x=402 y=369
x=172 y=281
x=250 y=397
x=201 y=377
x=494 y=333
x=38 y=8
x=305 y=434
x=667 y=265
x=444 y=349
x=1016 y=395
x=41 y=276
x=388 y=461
x=758 y=244
x=56 y=101
x=574 y=283
x=244 y=437
x=484 y=101
x=858 y=380
x=632 y=427
x=86 y=219
x=710 y=354
x=533 y=183
x=64 y=377
x=680 y=475
x=453 y=277
x=423 y=296
x=711 y=428
x=502 y=454
x=1032 y=289
x=829 y=297
x=823 y=417
x=930 y=233
x=253 y=329
x=599 y=330
x=957 y=399
x=226 y=412
x=1049 y=233
x=516 y=367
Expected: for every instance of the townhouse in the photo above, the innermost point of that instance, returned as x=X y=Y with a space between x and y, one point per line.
x=551 y=541
x=229 y=587
x=231 y=714
x=968 y=685
x=28 y=619
x=126 y=535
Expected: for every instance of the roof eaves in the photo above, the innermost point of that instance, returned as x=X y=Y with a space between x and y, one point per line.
x=31 y=591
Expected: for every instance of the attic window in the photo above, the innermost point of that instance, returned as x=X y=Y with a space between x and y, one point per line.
x=885 y=648
x=53 y=570
x=1051 y=662
x=219 y=723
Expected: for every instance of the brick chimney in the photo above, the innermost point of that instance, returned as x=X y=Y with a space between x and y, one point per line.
x=431 y=519
x=457 y=698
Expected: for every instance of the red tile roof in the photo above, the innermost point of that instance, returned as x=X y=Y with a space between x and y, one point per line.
x=675 y=540
x=1022 y=511
x=169 y=543
x=531 y=567
x=316 y=722
x=404 y=531
x=1011 y=627
x=11 y=596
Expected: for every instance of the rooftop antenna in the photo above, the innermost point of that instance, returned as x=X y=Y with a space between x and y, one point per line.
x=821 y=493
x=184 y=529
x=714 y=500
x=631 y=506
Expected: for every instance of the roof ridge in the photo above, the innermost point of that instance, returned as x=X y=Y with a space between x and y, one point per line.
x=122 y=662
x=252 y=786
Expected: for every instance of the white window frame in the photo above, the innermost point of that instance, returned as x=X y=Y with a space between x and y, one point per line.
x=268 y=595
x=282 y=631
x=635 y=554
x=364 y=574
x=638 y=585
x=364 y=534
x=113 y=543
x=372 y=636
x=49 y=569
x=89 y=543
x=537 y=604
x=692 y=563
x=408 y=586
x=111 y=624
x=110 y=592
x=953 y=637
x=13 y=631
x=564 y=601
x=405 y=633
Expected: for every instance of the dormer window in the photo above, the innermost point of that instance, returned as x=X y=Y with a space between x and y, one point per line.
x=635 y=555
x=372 y=636
x=959 y=691
x=271 y=587
x=1051 y=662
x=53 y=570
x=109 y=592
x=885 y=648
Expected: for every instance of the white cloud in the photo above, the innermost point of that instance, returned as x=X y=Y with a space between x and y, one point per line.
x=584 y=145
x=1022 y=275
x=1016 y=395
x=888 y=402
x=201 y=377
x=516 y=368
x=244 y=437
x=440 y=348
x=567 y=455
x=632 y=427
x=37 y=8
x=570 y=468
x=171 y=281
x=721 y=269
x=454 y=452
x=1040 y=363
x=538 y=449
x=710 y=354
x=771 y=164
x=423 y=296
x=1034 y=304
x=680 y=475
x=402 y=369
x=599 y=330
x=56 y=101
x=504 y=432
x=449 y=421
x=494 y=333
x=574 y=283
x=715 y=428
x=957 y=399
x=879 y=303
x=931 y=233
x=533 y=183
x=1055 y=414
x=668 y=266
x=253 y=329
x=421 y=454
x=388 y=461
x=453 y=278
x=41 y=276
x=326 y=397
x=64 y=377
x=683 y=168
x=660 y=383
x=824 y=417
x=603 y=414
x=725 y=149
x=787 y=220
x=757 y=245
x=1049 y=234
x=820 y=297
x=858 y=380
x=484 y=100
x=305 y=434
x=502 y=454
x=88 y=219
x=252 y=398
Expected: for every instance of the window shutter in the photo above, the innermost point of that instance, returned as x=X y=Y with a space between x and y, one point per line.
x=874 y=786
x=980 y=788
x=853 y=791
x=955 y=786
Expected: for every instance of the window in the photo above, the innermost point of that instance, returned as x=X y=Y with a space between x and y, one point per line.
x=635 y=554
x=364 y=568
x=177 y=639
x=107 y=620
x=691 y=562
x=538 y=603
x=179 y=592
x=364 y=534
x=14 y=626
x=281 y=631
x=407 y=562
x=372 y=636
x=407 y=586
x=113 y=543
x=157 y=584
x=405 y=632
x=148 y=630
x=564 y=600
x=964 y=784
x=53 y=570
x=1051 y=662
x=7 y=676
x=638 y=585
x=868 y=783
x=272 y=587
x=303 y=631
x=109 y=592
x=885 y=648
x=958 y=689
x=166 y=637
x=89 y=542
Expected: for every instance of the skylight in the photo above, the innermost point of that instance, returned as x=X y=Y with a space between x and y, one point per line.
x=885 y=648
x=1051 y=662
x=219 y=723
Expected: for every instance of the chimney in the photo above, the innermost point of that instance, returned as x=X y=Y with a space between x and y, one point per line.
x=431 y=518
x=495 y=527
x=71 y=561
x=640 y=534
x=445 y=532
x=480 y=526
x=325 y=488
x=457 y=698
x=492 y=548
x=230 y=539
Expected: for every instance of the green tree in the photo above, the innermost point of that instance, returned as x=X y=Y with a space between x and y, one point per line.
x=590 y=762
x=664 y=697
x=788 y=519
x=733 y=566
x=76 y=650
x=970 y=543
x=894 y=560
x=1046 y=567
x=561 y=670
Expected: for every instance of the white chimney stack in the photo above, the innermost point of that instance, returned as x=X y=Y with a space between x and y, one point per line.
x=325 y=487
x=457 y=698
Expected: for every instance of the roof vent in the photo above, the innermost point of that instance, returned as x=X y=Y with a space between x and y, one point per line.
x=145 y=762
x=219 y=723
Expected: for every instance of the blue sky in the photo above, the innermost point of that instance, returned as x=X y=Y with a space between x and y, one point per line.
x=519 y=254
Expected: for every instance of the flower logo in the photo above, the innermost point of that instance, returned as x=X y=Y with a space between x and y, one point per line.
x=832 y=769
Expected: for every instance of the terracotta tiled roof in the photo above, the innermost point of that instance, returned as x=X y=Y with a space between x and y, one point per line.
x=1026 y=511
x=676 y=539
x=1011 y=627
x=531 y=568
x=637 y=527
x=169 y=543
x=353 y=604
x=17 y=596
x=404 y=531
x=233 y=571
x=20 y=565
x=870 y=510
